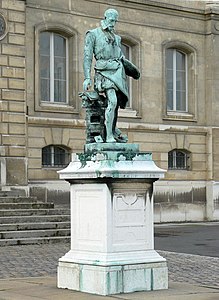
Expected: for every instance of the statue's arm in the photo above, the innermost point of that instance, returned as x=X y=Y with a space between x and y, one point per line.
x=88 y=57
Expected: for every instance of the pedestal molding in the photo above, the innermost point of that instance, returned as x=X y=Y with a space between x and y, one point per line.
x=112 y=259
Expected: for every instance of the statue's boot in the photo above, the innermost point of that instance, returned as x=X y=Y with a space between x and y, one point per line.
x=110 y=139
x=120 y=138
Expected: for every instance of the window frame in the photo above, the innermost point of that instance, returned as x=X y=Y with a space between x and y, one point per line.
x=134 y=110
x=191 y=56
x=52 y=69
x=187 y=160
x=52 y=154
x=129 y=104
x=72 y=80
x=174 y=77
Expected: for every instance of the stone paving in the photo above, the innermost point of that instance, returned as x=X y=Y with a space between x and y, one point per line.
x=193 y=269
x=41 y=260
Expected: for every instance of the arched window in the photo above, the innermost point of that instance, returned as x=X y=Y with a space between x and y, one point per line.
x=176 y=80
x=56 y=63
x=178 y=160
x=55 y=156
x=53 y=56
x=179 y=81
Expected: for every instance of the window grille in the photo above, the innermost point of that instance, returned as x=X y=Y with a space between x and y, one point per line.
x=178 y=159
x=55 y=156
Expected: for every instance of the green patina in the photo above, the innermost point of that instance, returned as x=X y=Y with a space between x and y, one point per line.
x=111 y=147
x=128 y=155
x=112 y=156
x=109 y=164
x=110 y=81
x=108 y=283
x=83 y=157
x=81 y=277
x=98 y=173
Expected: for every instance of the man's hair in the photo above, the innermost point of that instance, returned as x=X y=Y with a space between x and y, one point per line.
x=110 y=12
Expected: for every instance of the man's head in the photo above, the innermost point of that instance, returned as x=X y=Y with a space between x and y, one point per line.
x=111 y=16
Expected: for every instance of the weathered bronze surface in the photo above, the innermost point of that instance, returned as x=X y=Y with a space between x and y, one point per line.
x=110 y=81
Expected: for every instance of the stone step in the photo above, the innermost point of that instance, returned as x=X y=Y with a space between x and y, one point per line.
x=34 y=226
x=24 y=220
x=34 y=233
x=35 y=218
x=30 y=212
x=38 y=240
x=15 y=193
x=25 y=205
x=18 y=199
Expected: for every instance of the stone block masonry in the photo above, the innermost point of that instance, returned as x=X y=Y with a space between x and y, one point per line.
x=13 y=95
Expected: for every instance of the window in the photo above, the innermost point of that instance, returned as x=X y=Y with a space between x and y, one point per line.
x=176 y=80
x=53 y=67
x=55 y=85
x=179 y=81
x=178 y=160
x=131 y=49
x=126 y=50
x=55 y=156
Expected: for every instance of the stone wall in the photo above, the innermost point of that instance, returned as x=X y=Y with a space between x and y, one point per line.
x=13 y=137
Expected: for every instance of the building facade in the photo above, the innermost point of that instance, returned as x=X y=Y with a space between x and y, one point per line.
x=173 y=110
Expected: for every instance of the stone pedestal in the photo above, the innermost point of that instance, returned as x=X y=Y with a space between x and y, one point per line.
x=112 y=238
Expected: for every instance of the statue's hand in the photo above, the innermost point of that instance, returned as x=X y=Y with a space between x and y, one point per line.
x=87 y=84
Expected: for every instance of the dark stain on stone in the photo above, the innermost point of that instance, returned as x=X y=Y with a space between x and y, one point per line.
x=196 y=195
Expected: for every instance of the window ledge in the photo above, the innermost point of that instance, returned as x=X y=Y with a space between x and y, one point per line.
x=53 y=168
x=178 y=170
x=127 y=113
x=175 y=116
x=56 y=107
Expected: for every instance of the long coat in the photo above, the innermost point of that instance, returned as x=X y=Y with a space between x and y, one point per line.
x=105 y=46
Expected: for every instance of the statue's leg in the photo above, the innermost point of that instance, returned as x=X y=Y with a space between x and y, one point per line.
x=110 y=114
x=115 y=118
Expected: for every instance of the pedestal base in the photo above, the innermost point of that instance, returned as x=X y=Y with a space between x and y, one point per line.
x=108 y=280
x=112 y=238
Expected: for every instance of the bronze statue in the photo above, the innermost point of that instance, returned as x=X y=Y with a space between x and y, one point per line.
x=111 y=70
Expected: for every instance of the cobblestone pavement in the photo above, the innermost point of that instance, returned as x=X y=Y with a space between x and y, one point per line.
x=193 y=269
x=41 y=260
